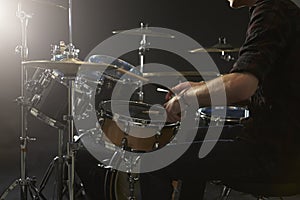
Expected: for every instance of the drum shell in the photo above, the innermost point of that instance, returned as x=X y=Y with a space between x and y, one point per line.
x=46 y=94
x=137 y=134
x=114 y=134
x=100 y=181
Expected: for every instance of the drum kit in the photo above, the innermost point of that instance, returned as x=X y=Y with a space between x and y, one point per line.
x=54 y=90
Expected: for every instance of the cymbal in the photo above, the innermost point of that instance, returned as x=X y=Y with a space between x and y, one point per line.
x=214 y=50
x=67 y=67
x=144 y=31
x=183 y=73
x=71 y=67
x=221 y=47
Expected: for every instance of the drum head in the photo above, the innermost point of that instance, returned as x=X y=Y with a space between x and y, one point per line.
x=131 y=111
x=121 y=64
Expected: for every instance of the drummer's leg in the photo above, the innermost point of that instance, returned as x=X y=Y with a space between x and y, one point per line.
x=230 y=158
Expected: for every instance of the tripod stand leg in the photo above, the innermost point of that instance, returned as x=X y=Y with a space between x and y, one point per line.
x=47 y=174
x=34 y=192
x=60 y=166
x=10 y=188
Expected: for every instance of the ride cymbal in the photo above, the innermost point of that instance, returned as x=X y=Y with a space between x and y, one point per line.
x=144 y=31
x=221 y=47
x=214 y=50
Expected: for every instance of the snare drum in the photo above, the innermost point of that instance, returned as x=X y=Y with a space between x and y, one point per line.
x=225 y=114
x=135 y=126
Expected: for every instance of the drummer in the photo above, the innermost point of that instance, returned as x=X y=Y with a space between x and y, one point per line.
x=267 y=73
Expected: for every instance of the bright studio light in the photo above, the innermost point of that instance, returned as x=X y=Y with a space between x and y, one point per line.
x=5 y=9
x=8 y=19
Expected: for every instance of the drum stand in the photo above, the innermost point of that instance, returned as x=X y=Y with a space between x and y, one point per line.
x=72 y=146
x=130 y=162
x=58 y=163
x=26 y=184
x=142 y=52
x=68 y=160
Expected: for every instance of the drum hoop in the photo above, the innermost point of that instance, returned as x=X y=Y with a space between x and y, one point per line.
x=133 y=121
x=203 y=115
x=48 y=120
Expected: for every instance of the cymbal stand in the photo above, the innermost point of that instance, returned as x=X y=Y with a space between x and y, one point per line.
x=142 y=52
x=225 y=56
x=71 y=145
x=61 y=52
x=26 y=184
x=72 y=53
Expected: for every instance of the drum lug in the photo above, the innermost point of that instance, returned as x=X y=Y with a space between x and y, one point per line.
x=22 y=101
x=101 y=120
x=155 y=146
x=124 y=143
x=126 y=129
x=36 y=99
x=68 y=118
x=158 y=134
x=109 y=85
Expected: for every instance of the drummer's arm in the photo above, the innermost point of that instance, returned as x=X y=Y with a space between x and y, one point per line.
x=238 y=87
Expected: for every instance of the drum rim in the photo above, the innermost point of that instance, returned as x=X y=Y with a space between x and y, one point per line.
x=48 y=120
x=201 y=114
x=121 y=64
x=122 y=81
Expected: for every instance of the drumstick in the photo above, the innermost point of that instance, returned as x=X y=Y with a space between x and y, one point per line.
x=132 y=74
x=166 y=91
x=162 y=90
x=156 y=112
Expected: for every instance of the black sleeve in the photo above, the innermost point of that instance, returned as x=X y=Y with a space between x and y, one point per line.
x=266 y=40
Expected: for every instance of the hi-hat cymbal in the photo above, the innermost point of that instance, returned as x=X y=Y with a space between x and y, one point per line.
x=182 y=73
x=71 y=67
x=221 y=47
x=214 y=50
x=144 y=31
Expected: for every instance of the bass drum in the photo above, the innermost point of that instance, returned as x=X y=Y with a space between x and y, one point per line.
x=100 y=182
x=118 y=186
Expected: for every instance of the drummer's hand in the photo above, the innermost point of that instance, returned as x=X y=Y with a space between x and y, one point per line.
x=173 y=109
x=179 y=88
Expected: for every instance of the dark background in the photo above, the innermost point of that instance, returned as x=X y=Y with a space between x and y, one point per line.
x=93 y=22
